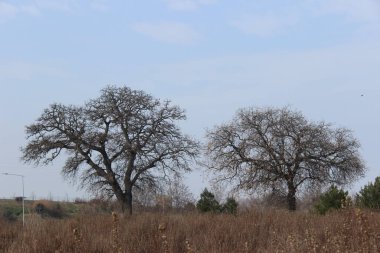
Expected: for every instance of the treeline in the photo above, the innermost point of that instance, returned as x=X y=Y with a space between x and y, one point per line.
x=178 y=199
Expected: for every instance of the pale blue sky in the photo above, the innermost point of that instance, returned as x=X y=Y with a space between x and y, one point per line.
x=211 y=57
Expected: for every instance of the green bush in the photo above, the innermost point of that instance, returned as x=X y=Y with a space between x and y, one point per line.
x=333 y=198
x=208 y=203
x=11 y=213
x=230 y=206
x=369 y=196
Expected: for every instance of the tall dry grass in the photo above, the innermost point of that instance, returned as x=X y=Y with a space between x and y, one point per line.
x=255 y=231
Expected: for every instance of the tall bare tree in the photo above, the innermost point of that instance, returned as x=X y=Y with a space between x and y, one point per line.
x=279 y=149
x=123 y=139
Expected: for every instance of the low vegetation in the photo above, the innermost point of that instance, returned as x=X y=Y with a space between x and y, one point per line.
x=347 y=230
x=208 y=203
x=332 y=199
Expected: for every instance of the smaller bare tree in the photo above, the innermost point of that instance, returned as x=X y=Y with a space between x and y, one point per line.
x=279 y=149
x=179 y=193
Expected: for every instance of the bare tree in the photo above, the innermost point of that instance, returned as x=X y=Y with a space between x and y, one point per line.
x=279 y=149
x=123 y=139
x=146 y=197
x=179 y=193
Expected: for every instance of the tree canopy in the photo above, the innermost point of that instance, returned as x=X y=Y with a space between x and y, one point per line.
x=123 y=139
x=332 y=199
x=280 y=149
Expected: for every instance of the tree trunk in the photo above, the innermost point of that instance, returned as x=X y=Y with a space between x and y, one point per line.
x=292 y=204
x=126 y=205
x=125 y=200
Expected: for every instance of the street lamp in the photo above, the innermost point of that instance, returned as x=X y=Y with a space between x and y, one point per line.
x=23 y=195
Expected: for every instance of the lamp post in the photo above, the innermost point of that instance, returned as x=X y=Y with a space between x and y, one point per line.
x=23 y=195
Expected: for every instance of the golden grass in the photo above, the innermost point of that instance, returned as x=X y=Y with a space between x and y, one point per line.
x=350 y=230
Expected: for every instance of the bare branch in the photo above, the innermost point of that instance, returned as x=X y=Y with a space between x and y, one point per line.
x=266 y=147
x=114 y=141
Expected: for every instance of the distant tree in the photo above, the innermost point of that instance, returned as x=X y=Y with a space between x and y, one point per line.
x=145 y=197
x=122 y=140
x=189 y=207
x=333 y=198
x=279 y=149
x=179 y=193
x=163 y=202
x=230 y=206
x=219 y=189
x=309 y=198
x=207 y=202
x=369 y=196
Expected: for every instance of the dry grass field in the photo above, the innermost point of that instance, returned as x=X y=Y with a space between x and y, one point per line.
x=349 y=230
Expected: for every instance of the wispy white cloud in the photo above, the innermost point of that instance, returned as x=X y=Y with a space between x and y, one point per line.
x=326 y=83
x=9 y=10
x=355 y=10
x=264 y=25
x=187 y=5
x=58 y=5
x=333 y=69
x=72 y=5
x=99 y=5
x=169 y=32
x=29 y=9
x=277 y=21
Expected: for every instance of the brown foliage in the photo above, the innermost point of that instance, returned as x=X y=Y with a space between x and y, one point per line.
x=350 y=230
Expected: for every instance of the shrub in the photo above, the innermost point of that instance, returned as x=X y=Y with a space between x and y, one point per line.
x=189 y=207
x=369 y=196
x=333 y=198
x=101 y=205
x=207 y=202
x=48 y=209
x=11 y=213
x=230 y=206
